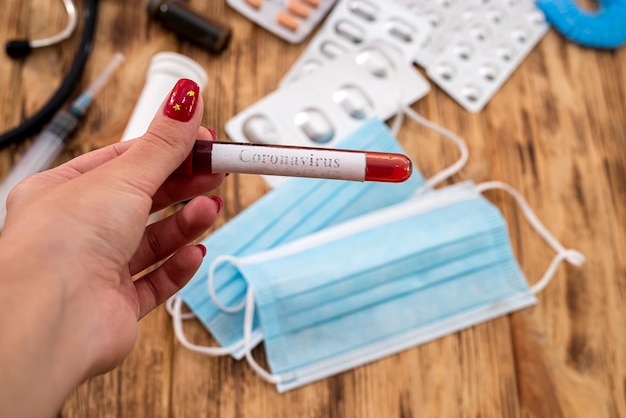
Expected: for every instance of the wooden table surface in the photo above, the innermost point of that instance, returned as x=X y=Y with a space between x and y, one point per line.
x=556 y=131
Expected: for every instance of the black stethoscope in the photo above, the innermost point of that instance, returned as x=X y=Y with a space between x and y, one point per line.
x=209 y=34
x=21 y=48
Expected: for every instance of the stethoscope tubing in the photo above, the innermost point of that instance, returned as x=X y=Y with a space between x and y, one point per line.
x=72 y=23
x=36 y=122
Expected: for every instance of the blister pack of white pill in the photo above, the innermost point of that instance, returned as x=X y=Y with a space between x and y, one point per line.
x=483 y=55
x=475 y=45
x=322 y=108
x=445 y=17
x=353 y=23
x=291 y=20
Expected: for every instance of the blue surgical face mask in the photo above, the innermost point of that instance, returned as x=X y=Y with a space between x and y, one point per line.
x=384 y=282
x=294 y=209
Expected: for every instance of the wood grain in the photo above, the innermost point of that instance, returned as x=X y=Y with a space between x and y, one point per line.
x=556 y=131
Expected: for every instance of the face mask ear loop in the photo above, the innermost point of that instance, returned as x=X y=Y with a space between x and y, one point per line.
x=210 y=283
x=248 y=320
x=169 y=307
x=571 y=256
x=397 y=121
x=177 y=322
x=454 y=168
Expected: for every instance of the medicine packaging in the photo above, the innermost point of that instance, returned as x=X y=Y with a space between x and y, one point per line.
x=468 y=47
x=445 y=18
x=291 y=20
x=475 y=45
x=485 y=52
x=354 y=23
x=322 y=108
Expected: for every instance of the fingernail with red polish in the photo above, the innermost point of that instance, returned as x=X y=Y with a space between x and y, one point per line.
x=202 y=248
x=183 y=100
x=219 y=202
x=213 y=134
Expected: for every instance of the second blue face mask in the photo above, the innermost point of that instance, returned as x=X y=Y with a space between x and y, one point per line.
x=385 y=282
x=293 y=210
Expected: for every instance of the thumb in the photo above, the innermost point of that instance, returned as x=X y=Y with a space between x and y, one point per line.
x=170 y=138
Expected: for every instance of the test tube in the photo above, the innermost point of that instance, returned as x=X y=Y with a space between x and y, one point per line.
x=293 y=161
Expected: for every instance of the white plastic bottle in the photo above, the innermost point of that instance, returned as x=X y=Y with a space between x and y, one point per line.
x=165 y=69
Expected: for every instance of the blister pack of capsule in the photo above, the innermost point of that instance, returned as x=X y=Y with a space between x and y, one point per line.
x=291 y=20
x=475 y=45
x=319 y=110
x=353 y=23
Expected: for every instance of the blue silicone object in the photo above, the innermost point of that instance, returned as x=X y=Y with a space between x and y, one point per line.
x=603 y=28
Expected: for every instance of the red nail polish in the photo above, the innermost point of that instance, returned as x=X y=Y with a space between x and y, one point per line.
x=182 y=101
x=213 y=134
x=219 y=202
x=202 y=248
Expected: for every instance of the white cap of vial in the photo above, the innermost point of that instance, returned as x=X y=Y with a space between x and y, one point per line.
x=165 y=69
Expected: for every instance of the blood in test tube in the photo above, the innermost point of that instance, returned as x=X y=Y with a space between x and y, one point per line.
x=385 y=167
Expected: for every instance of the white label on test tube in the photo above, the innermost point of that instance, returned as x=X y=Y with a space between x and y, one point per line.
x=293 y=162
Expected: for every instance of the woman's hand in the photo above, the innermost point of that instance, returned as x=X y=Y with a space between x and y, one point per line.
x=74 y=238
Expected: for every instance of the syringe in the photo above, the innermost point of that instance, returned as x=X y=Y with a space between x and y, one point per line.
x=47 y=146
